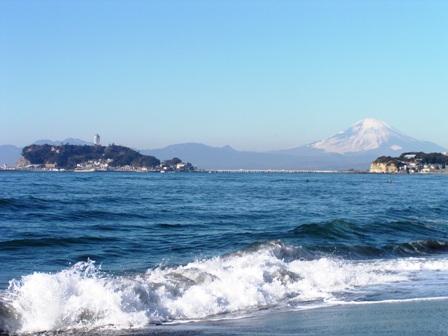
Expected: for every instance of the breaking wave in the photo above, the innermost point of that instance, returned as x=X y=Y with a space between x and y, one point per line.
x=269 y=275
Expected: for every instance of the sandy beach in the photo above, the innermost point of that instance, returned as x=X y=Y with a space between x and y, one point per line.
x=427 y=317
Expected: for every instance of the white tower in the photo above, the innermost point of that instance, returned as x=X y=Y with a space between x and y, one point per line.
x=96 y=140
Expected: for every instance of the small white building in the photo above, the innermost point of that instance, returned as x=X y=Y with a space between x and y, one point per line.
x=96 y=140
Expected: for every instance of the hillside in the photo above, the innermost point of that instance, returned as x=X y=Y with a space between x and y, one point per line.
x=414 y=162
x=69 y=156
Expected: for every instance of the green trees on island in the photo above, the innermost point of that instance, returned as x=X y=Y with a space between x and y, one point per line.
x=386 y=159
x=424 y=158
x=69 y=156
x=124 y=156
x=172 y=162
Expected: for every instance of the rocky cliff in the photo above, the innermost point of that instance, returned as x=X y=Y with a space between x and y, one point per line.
x=384 y=167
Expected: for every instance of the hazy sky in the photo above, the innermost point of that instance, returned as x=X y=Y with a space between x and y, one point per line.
x=255 y=75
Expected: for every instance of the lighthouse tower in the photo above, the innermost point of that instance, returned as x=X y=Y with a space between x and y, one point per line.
x=96 y=140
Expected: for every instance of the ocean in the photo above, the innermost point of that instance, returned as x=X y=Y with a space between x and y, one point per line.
x=223 y=253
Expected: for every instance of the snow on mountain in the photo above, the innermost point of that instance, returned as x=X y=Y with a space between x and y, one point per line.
x=372 y=135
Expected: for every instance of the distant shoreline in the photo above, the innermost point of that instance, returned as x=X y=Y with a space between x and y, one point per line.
x=207 y=171
x=221 y=171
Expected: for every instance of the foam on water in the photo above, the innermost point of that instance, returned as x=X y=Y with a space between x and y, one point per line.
x=272 y=275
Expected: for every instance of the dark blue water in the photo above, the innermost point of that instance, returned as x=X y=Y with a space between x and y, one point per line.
x=126 y=250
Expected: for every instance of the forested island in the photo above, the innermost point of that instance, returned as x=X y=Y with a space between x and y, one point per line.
x=99 y=158
x=412 y=162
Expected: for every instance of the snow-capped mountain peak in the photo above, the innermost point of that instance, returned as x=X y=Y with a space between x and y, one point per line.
x=369 y=124
x=368 y=135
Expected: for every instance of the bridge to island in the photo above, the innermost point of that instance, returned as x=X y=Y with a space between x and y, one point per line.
x=286 y=171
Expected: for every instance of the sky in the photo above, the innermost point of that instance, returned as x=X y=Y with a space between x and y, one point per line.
x=256 y=75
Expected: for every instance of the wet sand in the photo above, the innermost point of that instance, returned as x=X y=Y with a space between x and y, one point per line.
x=428 y=317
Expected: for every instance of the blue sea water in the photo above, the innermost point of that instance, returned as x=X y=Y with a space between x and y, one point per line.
x=114 y=251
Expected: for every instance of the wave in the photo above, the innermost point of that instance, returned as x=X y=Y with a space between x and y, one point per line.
x=372 y=240
x=409 y=249
x=56 y=210
x=267 y=275
x=93 y=215
x=18 y=244
x=24 y=203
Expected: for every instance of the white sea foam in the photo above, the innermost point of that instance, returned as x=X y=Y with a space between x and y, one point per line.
x=82 y=297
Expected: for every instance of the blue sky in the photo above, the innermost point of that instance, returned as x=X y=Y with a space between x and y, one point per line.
x=255 y=75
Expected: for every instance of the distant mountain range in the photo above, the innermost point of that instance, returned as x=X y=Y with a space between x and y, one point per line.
x=206 y=157
x=9 y=155
x=354 y=148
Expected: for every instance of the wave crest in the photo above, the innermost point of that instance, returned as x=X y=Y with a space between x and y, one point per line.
x=376 y=239
x=267 y=275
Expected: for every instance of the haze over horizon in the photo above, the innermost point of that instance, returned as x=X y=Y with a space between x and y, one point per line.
x=255 y=75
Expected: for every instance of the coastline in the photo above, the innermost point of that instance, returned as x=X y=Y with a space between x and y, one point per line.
x=415 y=317
x=221 y=171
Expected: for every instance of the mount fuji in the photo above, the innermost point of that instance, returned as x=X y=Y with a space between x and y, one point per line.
x=368 y=137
